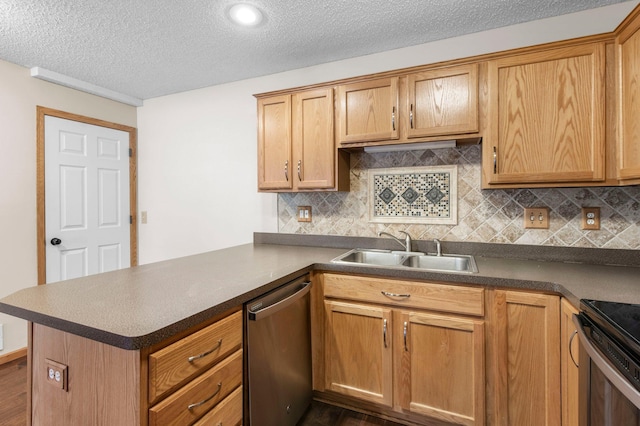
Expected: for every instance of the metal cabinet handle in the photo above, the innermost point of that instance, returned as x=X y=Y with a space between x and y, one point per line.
x=405 y=336
x=286 y=170
x=411 y=116
x=573 y=336
x=197 y=404
x=384 y=333
x=393 y=118
x=202 y=355
x=495 y=161
x=386 y=293
x=299 y=166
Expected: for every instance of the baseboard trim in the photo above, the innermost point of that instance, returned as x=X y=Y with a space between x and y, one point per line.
x=12 y=356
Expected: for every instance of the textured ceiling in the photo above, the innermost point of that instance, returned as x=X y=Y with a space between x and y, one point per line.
x=150 y=48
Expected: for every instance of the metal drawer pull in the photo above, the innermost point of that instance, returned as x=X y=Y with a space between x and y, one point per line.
x=393 y=118
x=570 y=348
x=386 y=293
x=197 y=404
x=495 y=161
x=384 y=333
x=202 y=355
x=286 y=170
x=411 y=117
x=405 y=336
x=299 y=164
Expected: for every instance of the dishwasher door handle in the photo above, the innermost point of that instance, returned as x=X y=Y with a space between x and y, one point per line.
x=280 y=304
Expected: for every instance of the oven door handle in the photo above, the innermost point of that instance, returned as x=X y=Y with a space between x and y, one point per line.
x=616 y=379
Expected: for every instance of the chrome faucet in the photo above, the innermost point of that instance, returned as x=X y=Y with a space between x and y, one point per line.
x=407 y=239
x=438 y=247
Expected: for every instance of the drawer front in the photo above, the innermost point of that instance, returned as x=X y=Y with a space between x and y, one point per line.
x=192 y=401
x=227 y=413
x=170 y=366
x=437 y=297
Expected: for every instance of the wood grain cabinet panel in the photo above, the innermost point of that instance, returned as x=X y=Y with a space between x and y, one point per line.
x=442 y=102
x=358 y=359
x=628 y=46
x=226 y=413
x=274 y=143
x=527 y=359
x=442 y=374
x=368 y=111
x=171 y=366
x=547 y=117
x=569 y=356
x=194 y=400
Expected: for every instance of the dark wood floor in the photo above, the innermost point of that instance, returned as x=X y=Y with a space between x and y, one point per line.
x=13 y=393
x=321 y=414
x=13 y=404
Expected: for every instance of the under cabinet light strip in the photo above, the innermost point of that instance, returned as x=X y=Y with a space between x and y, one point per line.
x=410 y=146
x=63 y=80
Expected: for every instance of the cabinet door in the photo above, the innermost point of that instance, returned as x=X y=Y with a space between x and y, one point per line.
x=442 y=373
x=358 y=359
x=314 y=150
x=629 y=107
x=569 y=353
x=442 y=102
x=274 y=143
x=547 y=114
x=369 y=111
x=527 y=359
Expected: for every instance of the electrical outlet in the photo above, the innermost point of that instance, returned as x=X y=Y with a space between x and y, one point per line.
x=57 y=374
x=536 y=218
x=591 y=218
x=304 y=213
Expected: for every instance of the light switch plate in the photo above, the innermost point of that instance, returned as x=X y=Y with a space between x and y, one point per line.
x=536 y=218
x=304 y=214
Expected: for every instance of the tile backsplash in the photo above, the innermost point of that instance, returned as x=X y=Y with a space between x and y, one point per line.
x=494 y=216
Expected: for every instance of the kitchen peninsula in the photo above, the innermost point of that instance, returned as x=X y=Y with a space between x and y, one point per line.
x=118 y=321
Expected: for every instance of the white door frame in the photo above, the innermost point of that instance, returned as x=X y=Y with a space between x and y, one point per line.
x=41 y=214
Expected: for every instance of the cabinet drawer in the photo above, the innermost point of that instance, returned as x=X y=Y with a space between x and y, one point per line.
x=201 y=394
x=228 y=412
x=170 y=366
x=437 y=297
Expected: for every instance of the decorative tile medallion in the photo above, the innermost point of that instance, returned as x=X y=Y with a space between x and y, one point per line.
x=427 y=195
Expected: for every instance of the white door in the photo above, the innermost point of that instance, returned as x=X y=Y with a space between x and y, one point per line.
x=86 y=199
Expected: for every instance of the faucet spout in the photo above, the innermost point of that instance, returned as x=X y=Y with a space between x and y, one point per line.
x=438 y=247
x=407 y=241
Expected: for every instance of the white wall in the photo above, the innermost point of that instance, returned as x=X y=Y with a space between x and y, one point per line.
x=19 y=96
x=198 y=150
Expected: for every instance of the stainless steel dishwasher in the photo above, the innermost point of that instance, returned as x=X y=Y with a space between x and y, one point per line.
x=279 y=355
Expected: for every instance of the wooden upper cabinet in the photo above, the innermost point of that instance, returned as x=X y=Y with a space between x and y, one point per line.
x=547 y=117
x=313 y=139
x=368 y=111
x=274 y=143
x=628 y=45
x=442 y=102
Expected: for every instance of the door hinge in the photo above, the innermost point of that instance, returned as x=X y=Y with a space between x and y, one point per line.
x=130 y=220
x=130 y=152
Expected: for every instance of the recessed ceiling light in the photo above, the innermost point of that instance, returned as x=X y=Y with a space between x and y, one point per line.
x=245 y=14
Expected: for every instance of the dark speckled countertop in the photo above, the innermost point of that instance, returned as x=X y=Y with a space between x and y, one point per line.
x=137 y=307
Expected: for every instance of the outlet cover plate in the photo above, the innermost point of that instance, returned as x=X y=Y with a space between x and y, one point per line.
x=57 y=374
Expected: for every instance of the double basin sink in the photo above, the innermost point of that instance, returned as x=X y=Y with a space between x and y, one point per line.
x=414 y=260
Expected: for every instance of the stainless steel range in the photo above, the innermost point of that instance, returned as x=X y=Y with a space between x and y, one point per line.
x=609 y=335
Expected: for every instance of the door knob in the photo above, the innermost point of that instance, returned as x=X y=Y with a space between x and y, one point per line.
x=55 y=241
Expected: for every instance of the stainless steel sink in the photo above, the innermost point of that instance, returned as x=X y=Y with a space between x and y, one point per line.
x=372 y=257
x=413 y=260
x=446 y=262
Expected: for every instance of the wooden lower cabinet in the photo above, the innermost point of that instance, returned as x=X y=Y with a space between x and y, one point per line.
x=569 y=356
x=526 y=359
x=442 y=367
x=107 y=385
x=411 y=357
